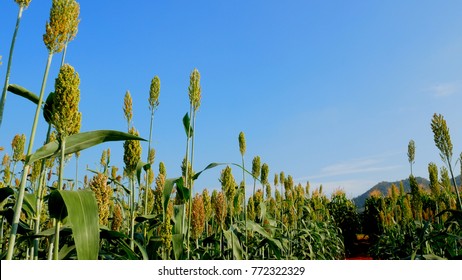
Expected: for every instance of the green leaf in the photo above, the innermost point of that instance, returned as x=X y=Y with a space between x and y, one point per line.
x=79 y=142
x=178 y=247
x=143 y=251
x=139 y=168
x=183 y=192
x=48 y=107
x=215 y=164
x=5 y=193
x=19 y=90
x=178 y=213
x=167 y=192
x=187 y=126
x=82 y=211
x=237 y=248
x=30 y=204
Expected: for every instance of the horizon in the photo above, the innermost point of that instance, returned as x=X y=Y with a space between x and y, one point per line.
x=330 y=93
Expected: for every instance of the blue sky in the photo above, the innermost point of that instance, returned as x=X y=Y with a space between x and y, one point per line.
x=329 y=92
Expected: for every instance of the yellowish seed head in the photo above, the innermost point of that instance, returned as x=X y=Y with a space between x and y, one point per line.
x=62 y=25
x=195 y=89
x=154 y=93
x=66 y=117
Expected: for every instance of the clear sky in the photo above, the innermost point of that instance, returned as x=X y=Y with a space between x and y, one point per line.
x=329 y=92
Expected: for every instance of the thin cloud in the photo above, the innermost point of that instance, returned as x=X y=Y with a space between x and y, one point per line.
x=354 y=166
x=445 y=90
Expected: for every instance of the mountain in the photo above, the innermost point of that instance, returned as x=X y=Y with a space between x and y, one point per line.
x=384 y=186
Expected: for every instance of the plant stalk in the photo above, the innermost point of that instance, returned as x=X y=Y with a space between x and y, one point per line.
x=60 y=187
x=22 y=188
x=10 y=59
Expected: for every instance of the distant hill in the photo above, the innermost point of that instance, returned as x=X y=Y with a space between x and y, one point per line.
x=384 y=186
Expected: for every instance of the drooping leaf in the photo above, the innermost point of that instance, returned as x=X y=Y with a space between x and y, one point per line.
x=167 y=192
x=236 y=245
x=142 y=249
x=82 y=211
x=30 y=204
x=183 y=192
x=178 y=246
x=48 y=107
x=215 y=164
x=5 y=193
x=23 y=228
x=187 y=126
x=139 y=168
x=178 y=215
x=79 y=142
x=143 y=218
x=19 y=90
x=274 y=243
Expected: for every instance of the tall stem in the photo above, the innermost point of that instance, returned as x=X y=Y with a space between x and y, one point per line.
x=148 y=185
x=190 y=176
x=22 y=188
x=455 y=185
x=132 y=213
x=39 y=198
x=60 y=187
x=8 y=67
x=245 y=209
x=186 y=180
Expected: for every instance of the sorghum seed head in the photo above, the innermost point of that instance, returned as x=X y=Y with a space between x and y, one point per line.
x=18 y=146
x=198 y=216
x=220 y=208
x=207 y=204
x=441 y=137
x=62 y=25
x=195 y=89
x=152 y=155
x=256 y=167
x=162 y=169
x=65 y=109
x=23 y=3
x=117 y=218
x=154 y=93
x=103 y=194
x=132 y=153
x=264 y=173
x=128 y=107
x=242 y=146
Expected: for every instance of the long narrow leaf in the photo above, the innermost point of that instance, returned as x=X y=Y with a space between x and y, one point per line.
x=187 y=126
x=19 y=90
x=167 y=192
x=79 y=142
x=82 y=210
x=5 y=193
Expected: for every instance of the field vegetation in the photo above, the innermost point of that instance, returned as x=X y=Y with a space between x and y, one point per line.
x=136 y=211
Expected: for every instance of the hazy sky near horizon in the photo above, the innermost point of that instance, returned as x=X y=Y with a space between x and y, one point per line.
x=329 y=92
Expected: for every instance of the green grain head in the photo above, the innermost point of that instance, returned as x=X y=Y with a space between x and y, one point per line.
x=23 y=3
x=128 y=107
x=194 y=89
x=433 y=175
x=207 y=204
x=242 y=146
x=154 y=92
x=256 y=167
x=132 y=153
x=103 y=193
x=197 y=217
x=66 y=117
x=18 y=146
x=62 y=25
x=442 y=138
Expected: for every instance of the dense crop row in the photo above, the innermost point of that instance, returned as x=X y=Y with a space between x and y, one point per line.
x=136 y=212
